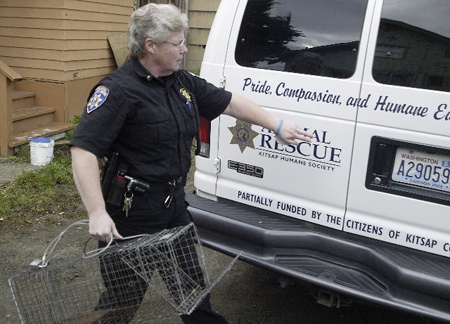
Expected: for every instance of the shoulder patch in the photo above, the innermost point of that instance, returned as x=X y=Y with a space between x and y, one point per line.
x=97 y=99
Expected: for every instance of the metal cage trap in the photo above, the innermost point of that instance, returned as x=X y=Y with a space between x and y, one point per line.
x=110 y=284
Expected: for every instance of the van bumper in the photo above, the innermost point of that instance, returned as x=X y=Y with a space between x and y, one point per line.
x=346 y=264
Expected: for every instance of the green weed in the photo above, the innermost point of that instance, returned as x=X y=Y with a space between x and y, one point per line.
x=47 y=190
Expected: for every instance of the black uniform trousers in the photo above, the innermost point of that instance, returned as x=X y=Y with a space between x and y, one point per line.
x=122 y=298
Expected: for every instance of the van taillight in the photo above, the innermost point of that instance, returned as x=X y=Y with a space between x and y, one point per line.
x=205 y=133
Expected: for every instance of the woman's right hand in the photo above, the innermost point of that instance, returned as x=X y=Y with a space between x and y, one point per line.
x=102 y=227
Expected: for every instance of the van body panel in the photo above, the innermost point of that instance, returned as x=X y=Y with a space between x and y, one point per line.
x=331 y=120
x=285 y=184
x=212 y=70
x=367 y=201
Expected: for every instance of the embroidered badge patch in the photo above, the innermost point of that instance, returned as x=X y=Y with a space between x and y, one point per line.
x=243 y=135
x=97 y=99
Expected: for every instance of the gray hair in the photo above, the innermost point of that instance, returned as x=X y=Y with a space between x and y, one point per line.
x=155 y=21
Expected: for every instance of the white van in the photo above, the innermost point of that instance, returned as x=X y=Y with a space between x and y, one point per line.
x=364 y=210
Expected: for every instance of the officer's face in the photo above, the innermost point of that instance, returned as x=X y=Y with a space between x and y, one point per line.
x=169 y=54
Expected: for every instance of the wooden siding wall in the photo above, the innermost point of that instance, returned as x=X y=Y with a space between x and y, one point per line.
x=61 y=40
x=201 y=16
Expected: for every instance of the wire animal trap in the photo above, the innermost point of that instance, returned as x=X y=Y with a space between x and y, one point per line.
x=109 y=285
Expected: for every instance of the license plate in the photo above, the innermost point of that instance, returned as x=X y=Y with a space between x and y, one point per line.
x=422 y=169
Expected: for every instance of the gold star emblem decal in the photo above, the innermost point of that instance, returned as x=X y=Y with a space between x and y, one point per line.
x=243 y=135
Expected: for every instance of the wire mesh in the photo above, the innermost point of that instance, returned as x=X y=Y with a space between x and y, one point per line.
x=110 y=286
x=180 y=277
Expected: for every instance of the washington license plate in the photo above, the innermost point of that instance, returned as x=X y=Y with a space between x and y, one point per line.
x=422 y=169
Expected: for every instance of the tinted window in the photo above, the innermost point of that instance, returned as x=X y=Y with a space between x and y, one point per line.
x=413 y=45
x=304 y=36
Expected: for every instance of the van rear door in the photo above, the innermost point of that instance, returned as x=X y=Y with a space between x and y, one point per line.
x=306 y=66
x=400 y=180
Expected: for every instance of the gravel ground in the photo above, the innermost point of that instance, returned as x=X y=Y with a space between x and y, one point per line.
x=9 y=171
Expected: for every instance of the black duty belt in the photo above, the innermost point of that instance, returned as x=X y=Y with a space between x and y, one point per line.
x=142 y=187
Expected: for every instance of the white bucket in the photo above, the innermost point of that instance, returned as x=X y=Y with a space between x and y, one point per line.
x=41 y=150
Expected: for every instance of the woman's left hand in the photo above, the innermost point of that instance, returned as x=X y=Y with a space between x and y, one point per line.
x=290 y=133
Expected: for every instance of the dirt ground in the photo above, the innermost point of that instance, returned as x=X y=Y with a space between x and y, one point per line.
x=20 y=245
x=245 y=295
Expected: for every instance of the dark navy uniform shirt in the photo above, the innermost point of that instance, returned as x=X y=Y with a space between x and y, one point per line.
x=149 y=121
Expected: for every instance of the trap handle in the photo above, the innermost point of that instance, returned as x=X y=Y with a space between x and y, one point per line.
x=87 y=254
x=51 y=247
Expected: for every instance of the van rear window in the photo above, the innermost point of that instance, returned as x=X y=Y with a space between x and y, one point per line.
x=413 y=44
x=319 y=37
